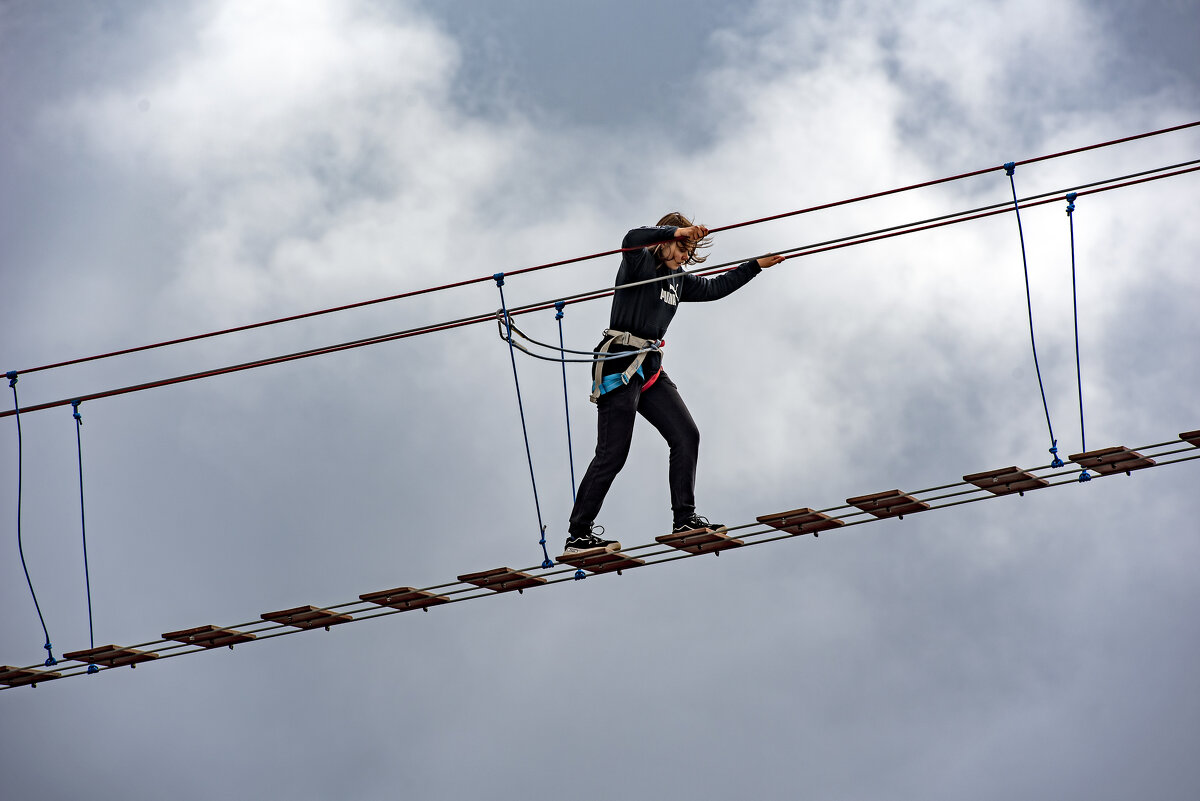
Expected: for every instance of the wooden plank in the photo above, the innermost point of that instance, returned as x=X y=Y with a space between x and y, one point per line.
x=502 y=579
x=890 y=503
x=404 y=598
x=1006 y=481
x=801 y=521
x=307 y=617
x=700 y=540
x=1107 y=461
x=110 y=656
x=209 y=636
x=1192 y=437
x=18 y=677
x=598 y=560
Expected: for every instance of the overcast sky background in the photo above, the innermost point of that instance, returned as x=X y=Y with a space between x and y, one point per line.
x=168 y=169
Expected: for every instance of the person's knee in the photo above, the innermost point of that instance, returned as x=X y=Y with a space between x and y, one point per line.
x=686 y=437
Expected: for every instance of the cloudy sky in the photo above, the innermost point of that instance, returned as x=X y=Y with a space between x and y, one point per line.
x=169 y=169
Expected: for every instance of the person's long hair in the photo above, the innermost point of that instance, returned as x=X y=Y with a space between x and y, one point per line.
x=679 y=221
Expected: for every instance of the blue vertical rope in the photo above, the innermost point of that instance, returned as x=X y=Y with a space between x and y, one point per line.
x=499 y=278
x=1009 y=169
x=50 y=660
x=87 y=576
x=1085 y=475
x=558 y=308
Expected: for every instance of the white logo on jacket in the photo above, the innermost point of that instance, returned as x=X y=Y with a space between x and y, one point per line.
x=669 y=295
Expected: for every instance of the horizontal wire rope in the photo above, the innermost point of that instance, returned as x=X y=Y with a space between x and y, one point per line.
x=366 y=610
x=806 y=250
x=577 y=259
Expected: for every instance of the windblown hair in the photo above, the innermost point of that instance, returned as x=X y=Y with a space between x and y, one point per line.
x=679 y=221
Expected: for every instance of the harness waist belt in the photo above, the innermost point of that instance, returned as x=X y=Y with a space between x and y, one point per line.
x=619 y=338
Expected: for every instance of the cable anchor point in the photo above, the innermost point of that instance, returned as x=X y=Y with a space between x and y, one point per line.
x=547 y=562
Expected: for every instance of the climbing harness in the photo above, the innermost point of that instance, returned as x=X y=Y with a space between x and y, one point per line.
x=622 y=338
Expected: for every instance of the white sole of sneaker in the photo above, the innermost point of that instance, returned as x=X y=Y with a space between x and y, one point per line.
x=612 y=547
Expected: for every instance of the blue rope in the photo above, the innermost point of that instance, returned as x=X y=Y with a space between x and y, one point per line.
x=1009 y=169
x=546 y=562
x=558 y=307
x=87 y=577
x=50 y=660
x=1085 y=475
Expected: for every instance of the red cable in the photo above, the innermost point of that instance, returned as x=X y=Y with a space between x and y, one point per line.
x=576 y=259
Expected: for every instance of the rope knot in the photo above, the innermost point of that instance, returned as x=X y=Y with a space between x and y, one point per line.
x=1010 y=168
x=11 y=375
x=498 y=278
x=1057 y=463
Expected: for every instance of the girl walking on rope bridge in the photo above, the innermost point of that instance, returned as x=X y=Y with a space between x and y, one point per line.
x=624 y=387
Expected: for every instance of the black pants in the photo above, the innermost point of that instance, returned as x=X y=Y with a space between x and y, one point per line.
x=616 y=412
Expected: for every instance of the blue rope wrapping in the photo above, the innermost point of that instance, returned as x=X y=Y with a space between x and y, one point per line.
x=558 y=308
x=1085 y=475
x=50 y=660
x=1009 y=169
x=546 y=562
x=87 y=577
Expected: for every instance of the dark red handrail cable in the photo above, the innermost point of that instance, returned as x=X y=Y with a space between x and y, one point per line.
x=481 y=279
x=807 y=250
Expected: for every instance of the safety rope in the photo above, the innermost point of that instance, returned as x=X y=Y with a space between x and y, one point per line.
x=1009 y=169
x=87 y=576
x=1085 y=475
x=12 y=383
x=505 y=327
x=558 y=315
x=546 y=562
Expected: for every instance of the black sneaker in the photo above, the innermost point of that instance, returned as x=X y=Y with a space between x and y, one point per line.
x=578 y=543
x=697 y=523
